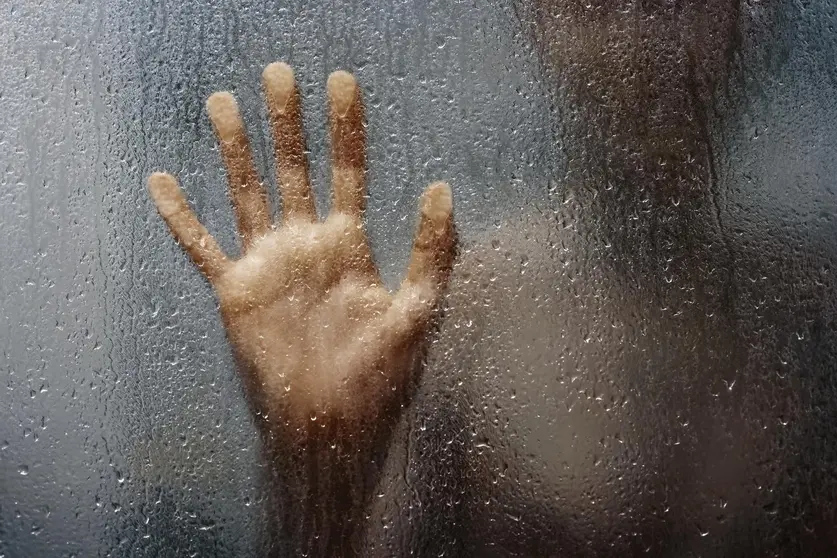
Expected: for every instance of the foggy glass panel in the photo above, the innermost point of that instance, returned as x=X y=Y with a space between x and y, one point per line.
x=637 y=352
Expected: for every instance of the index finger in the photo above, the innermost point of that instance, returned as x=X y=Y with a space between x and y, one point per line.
x=248 y=196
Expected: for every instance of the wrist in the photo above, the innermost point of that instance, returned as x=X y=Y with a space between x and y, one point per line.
x=326 y=478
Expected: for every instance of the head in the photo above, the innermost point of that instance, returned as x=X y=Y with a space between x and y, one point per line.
x=638 y=79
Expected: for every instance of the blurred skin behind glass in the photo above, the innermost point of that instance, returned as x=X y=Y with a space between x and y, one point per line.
x=656 y=420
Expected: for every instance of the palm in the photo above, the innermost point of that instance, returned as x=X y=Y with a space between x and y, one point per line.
x=301 y=309
x=304 y=307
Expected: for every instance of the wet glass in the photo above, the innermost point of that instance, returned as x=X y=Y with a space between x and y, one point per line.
x=638 y=348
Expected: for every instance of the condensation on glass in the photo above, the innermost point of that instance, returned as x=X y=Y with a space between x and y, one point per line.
x=638 y=352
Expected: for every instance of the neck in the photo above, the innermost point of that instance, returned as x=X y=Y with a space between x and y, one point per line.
x=642 y=166
x=646 y=182
x=638 y=81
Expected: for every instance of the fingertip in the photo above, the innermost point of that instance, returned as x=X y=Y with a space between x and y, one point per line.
x=165 y=192
x=437 y=201
x=161 y=182
x=278 y=79
x=434 y=247
x=342 y=91
x=223 y=111
x=278 y=69
x=221 y=101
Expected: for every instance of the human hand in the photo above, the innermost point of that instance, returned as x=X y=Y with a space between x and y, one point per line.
x=317 y=334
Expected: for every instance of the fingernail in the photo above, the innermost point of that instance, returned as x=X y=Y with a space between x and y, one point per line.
x=223 y=110
x=342 y=91
x=279 y=82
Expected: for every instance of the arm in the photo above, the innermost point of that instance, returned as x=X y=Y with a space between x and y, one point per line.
x=327 y=354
